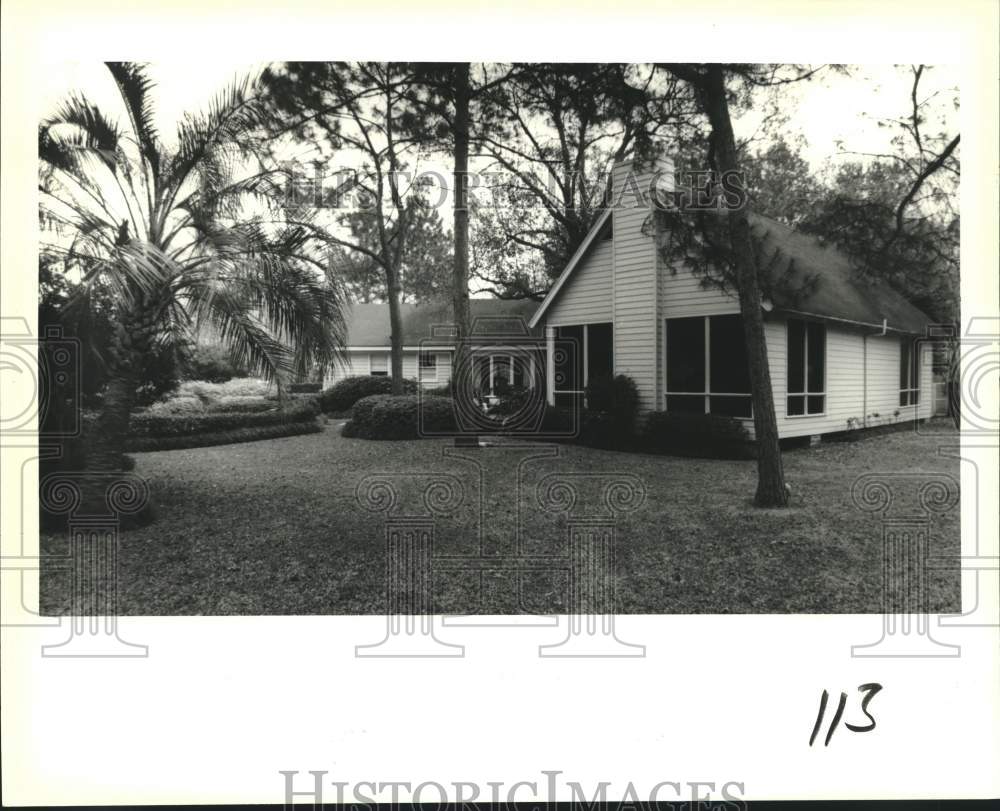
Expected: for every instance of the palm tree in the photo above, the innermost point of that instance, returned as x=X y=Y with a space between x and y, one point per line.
x=187 y=238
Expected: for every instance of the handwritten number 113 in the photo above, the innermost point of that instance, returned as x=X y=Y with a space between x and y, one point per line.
x=869 y=690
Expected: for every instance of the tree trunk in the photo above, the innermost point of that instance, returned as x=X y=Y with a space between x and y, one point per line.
x=395 y=331
x=771 y=490
x=104 y=439
x=460 y=269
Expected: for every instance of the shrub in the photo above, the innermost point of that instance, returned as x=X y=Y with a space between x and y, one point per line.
x=212 y=363
x=616 y=396
x=186 y=424
x=705 y=435
x=384 y=416
x=343 y=394
x=140 y=444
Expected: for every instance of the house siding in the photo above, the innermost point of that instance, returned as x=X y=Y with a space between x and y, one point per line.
x=850 y=391
x=590 y=300
x=356 y=363
x=634 y=296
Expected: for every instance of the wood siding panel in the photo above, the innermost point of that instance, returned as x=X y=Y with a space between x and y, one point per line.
x=587 y=298
x=854 y=388
x=356 y=363
x=636 y=336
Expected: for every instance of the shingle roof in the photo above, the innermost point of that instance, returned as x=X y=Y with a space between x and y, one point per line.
x=368 y=324
x=839 y=292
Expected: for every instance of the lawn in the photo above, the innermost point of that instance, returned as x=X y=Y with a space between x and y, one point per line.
x=275 y=527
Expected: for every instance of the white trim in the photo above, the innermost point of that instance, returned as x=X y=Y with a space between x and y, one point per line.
x=550 y=365
x=883 y=326
x=570 y=267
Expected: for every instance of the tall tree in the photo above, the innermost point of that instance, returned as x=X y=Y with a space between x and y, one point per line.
x=361 y=112
x=450 y=99
x=426 y=264
x=181 y=237
x=710 y=84
x=896 y=213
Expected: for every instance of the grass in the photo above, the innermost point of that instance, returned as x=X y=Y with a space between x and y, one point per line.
x=274 y=527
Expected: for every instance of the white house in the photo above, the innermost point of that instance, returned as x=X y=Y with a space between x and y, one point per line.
x=846 y=350
x=502 y=347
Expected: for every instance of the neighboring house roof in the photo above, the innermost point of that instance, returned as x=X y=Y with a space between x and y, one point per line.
x=425 y=323
x=838 y=292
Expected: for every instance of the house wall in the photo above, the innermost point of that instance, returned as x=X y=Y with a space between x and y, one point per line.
x=588 y=299
x=625 y=281
x=637 y=342
x=357 y=363
x=850 y=391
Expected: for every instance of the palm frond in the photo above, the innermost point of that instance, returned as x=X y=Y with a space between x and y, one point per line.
x=78 y=125
x=135 y=88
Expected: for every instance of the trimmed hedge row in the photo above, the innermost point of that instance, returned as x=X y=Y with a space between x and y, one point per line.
x=387 y=417
x=697 y=435
x=704 y=435
x=140 y=444
x=343 y=394
x=167 y=425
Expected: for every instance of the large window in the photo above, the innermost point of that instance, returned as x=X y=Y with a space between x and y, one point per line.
x=582 y=352
x=806 y=368
x=378 y=365
x=909 y=373
x=707 y=369
x=427 y=366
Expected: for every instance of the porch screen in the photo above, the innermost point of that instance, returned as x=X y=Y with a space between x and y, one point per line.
x=707 y=366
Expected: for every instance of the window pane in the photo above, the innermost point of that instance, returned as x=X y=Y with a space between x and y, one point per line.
x=915 y=370
x=501 y=370
x=796 y=406
x=817 y=356
x=904 y=364
x=686 y=403
x=796 y=357
x=599 y=351
x=520 y=371
x=380 y=364
x=686 y=354
x=727 y=351
x=731 y=406
x=569 y=358
x=815 y=404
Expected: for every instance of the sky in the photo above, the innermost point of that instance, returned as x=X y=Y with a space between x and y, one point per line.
x=833 y=114
x=825 y=110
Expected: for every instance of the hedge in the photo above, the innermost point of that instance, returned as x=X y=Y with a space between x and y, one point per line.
x=167 y=425
x=141 y=444
x=343 y=394
x=400 y=417
x=704 y=435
